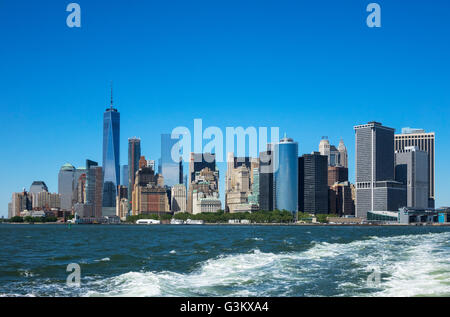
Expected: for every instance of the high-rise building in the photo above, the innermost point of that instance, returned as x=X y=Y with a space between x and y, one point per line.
x=37 y=187
x=200 y=161
x=134 y=154
x=376 y=189
x=313 y=183
x=20 y=202
x=111 y=154
x=46 y=201
x=206 y=183
x=266 y=185
x=66 y=185
x=343 y=155
x=336 y=156
x=179 y=198
x=425 y=142
x=337 y=174
x=411 y=169
x=238 y=185
x=170 y=168
x=286 y=175
x=340 y=198
x=124 y=177
x=94 y=188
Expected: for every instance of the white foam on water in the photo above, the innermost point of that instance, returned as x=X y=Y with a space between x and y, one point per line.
x=410 y=265
x=103 y=260
x=173 y=252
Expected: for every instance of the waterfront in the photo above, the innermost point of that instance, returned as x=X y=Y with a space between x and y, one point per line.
x=223 y=260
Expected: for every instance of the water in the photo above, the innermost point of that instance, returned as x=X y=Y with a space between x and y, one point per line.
x=225 y=260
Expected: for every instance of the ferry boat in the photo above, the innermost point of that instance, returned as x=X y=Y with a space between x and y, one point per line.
x=148 y=222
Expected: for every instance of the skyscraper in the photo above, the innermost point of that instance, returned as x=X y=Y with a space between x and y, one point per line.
x=134 y=154
x=343 y=155
x=266 y=186
x=111 y=154
x=37 y=187
x=313 y=183
x=286 y=175
x=94 y=192
x=411 y=169
x=66 y=185
x=170 y=168
x=199 y=161
x=425 y=142
x=376 y=189
x=124 y=178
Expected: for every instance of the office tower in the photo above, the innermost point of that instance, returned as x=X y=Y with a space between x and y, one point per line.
x=425 y=142
x=343 y=155
x=341 y=200
x=253 y=198
x=111 y=154
x=66 y=185
x=205 y=181
x=170 y=166
x=20 y=202
x=238 y=185
x=286 y=175
x=411 y=169
x=142 y=162
x=178 y=196
x=254 y=166
x=134 y=154
x=376 y=189
x=10 y=210
x=122 y=202
x=200 y=161
x=94 y=188
x=149 y=196
x=124 y=177
x=152 y=164
x=46 y=201
x=180 y=174
x=313 y=183
x=337 y=174
x=266 y=186
x=37 y=187
x=330 y=151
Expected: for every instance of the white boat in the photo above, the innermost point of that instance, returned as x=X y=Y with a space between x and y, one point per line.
x=194 y=222
x=176 y=222
x=148 y=222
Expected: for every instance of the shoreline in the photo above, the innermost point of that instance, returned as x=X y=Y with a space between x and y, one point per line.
x=241 y=225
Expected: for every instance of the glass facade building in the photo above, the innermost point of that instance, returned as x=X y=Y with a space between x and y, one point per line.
x=134 y=154
x=170 y=168
x=111 y=155
x=286 y=175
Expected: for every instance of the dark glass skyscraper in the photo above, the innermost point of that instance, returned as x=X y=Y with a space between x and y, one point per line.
x=286 y=175
x=111 y=155
x=134 y=154
x=313 y=183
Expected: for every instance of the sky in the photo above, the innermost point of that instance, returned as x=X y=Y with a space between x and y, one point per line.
x=312 y=68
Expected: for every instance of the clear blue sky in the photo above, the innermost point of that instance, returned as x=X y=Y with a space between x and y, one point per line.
x=313 y=68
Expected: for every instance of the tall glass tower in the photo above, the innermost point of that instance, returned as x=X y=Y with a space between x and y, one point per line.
x=286 y=175
x=111 y=154
x=169 y=167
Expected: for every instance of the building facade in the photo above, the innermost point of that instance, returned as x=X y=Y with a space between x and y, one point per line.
x=411 y=169
x=425 y=142
x=376 y=188
x=179 y=198
x=111 y=155
x=286 y=175
x=313 y=183
x=134 y=154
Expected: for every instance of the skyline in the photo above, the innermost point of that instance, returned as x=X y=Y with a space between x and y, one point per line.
x=170 y=69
